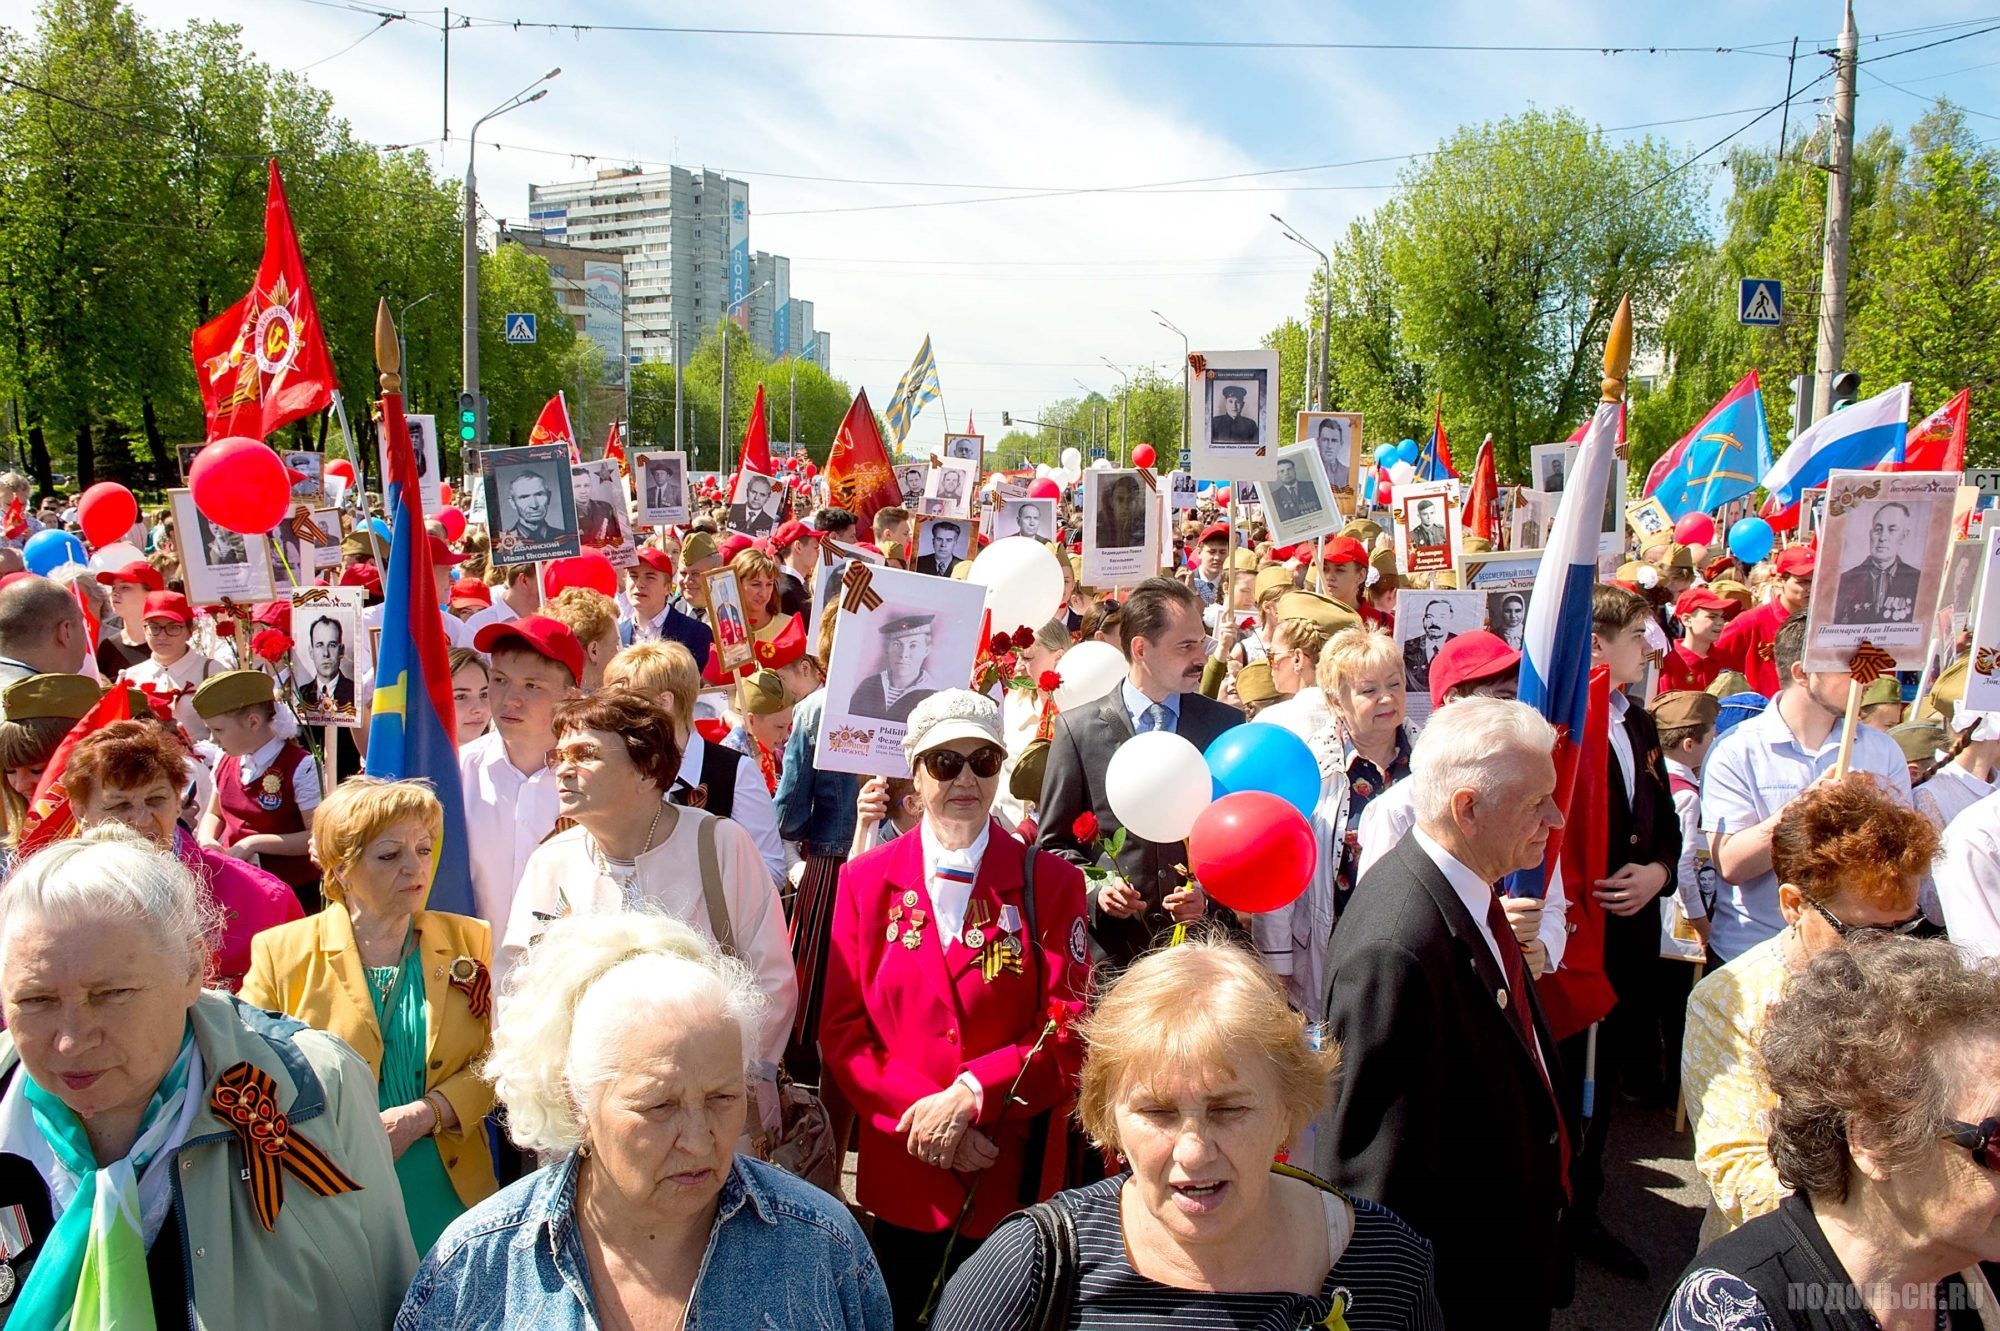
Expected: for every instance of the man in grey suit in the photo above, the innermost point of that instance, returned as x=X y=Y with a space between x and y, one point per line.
x=1166 y=647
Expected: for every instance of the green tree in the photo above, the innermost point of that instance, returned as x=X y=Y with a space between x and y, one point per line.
x=518 y=381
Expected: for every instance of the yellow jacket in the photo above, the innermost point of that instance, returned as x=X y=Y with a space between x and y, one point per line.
x=311 y=969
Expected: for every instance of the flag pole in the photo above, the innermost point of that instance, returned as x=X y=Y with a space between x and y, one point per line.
x=1855 y=688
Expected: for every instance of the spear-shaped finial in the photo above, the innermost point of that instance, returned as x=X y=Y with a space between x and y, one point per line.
x=1618 y=352
x=388 y=352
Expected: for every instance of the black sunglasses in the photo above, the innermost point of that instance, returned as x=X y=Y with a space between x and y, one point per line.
x=1917 y=926
x=946 y=764
x=1982 y=1139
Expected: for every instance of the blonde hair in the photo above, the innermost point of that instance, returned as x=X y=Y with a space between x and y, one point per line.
x=583 y=984
x=357 y=811
x=1206 y=1005
x=662 y=670
x=1352 y=651
x=590 y=615
x=755 y=563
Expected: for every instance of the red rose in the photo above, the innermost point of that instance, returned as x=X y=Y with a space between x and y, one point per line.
x=271 y=645
x=1085 y=826
x=1048 y=681
x=1024 y=638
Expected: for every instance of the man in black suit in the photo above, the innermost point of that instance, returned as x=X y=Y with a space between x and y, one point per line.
x=945 y=538
x=1446 y=1109
x=1881 y=589
x=331 y=688
x=1232 y=426
x=1292 y=499
x=1166 y=647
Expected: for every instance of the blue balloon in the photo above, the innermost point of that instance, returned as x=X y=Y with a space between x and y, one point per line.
x=49 y=549
x=1385 y=455
x=1264 y=757
x=1750 y=539
x=380 y=528
x=1406 y=451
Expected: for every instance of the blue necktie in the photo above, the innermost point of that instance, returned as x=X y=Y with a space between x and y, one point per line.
x=1154 y=718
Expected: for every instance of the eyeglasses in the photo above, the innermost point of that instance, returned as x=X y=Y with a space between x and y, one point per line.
x=1917 y=926
x=577 y=754
x=1982 y=1139
x=946 y=764
x=167 y=628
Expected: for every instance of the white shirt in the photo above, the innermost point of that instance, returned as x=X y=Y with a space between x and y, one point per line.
x=948 y=897
x=305 y=777
x=1950 y=792
x=1477 y=894
x=1305 y=713
x=1390 y=814
x=565 y=877
x=182 y=677
x=500 y=612
x=1621 y=742
x=1695 y=878
x=507 y=813
x=754 y=810
x=1968 y=878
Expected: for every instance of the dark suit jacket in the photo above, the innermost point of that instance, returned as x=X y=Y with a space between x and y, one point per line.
x=1643 y=830
x=1858 y=601
x=929 y=564
x=680 y=627
x=1439 y=1112
x=1073 y=782
x=312 y=695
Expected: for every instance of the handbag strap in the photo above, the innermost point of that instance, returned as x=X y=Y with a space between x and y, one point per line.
x=711 y=885
x=1061 y=1266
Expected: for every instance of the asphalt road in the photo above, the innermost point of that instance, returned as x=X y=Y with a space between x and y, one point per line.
x=1653 y=1200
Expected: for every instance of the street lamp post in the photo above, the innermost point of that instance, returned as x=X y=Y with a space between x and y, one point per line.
x=722 y=443
x=402 y=341
x=1124 y=415
x=1187 y=372
x=1325 y=309
x=469 y=334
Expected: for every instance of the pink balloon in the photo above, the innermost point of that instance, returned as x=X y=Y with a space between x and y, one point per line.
x=453 y=522
x=1044 y=489
x=1695 y=529
x=589 y=569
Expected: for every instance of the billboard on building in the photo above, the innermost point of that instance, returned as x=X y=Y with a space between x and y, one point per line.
x=604 y=310
x=739 y=252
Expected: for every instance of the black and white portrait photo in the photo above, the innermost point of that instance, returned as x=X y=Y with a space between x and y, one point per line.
x=662 y=488
x=1232 y=429
x=1425 y=622
x=1233 y=403
x=532 y=508
x=968 y=447
x=902 y=677
x=1550 y=465
x=1119 y=514
x=603 y=514
x=221 y=546
x=949 y=487
x=921 y=637
x=424 y=445
x=217 y=562
x=1507 y=616
x=1032 y=518
x=1181 y=485
x=327 y=654
x=1297 y=501
x=308 y=487
x=1881 y=566
x=940 y=544
x=1961 y=583
x=1336 y=436
x=910 y=477
x=755 y=508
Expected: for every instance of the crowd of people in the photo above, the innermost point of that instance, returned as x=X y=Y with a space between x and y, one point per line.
x=727 y=1038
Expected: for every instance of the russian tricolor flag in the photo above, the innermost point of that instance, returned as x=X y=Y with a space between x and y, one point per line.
x=1856 y=438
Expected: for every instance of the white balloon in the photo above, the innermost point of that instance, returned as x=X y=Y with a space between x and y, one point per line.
x=1157 y=785
x=1043 y=471
x=1402 y=473
x=1089 y=670
x=1100 y=464
x=1023 y=582
x=116 y=555
x=1071 y=459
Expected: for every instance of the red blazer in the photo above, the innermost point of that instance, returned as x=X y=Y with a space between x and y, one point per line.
x=900 y=1024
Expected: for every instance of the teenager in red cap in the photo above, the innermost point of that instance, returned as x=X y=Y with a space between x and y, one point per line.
x=174 y=670
x=510 y=795
x=654 y=617
x=1344 y=567
x=128 y=585
x=797 y=548
x=1692 y=663
x=1750 y=642
x=1211 y=553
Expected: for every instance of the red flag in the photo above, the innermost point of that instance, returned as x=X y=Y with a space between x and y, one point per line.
x=50 y=817
x=858 y=477
x=968 y=424
x=614 y=447
x=553 y=427
x=1937 y=443
x=15 y=524
x=1482 y=499
x=91 y=626
x=755 y=455
x=262 y=362
x=1578 y=994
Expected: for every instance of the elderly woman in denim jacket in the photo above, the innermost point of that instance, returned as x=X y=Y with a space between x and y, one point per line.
x=623 y=1051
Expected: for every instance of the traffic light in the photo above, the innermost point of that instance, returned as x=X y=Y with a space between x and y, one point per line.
x=1802 y=403
x=1005 y=420
x=1846 y=389
x=471 y=419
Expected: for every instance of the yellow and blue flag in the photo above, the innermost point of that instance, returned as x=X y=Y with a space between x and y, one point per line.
x=918 y=386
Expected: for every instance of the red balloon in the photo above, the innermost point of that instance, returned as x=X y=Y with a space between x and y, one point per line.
x=106 y=513
x=589 y=569
x=1384 y=494
x=1222 y=494
x=241 y=484
x=1695 y=529
x=1044 y=489
x=1252 y=851
x=812 y=468
x=342 y=468
x=453 y=522
x=445 y=494
x=1143 y=456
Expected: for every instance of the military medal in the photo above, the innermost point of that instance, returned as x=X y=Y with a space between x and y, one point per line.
x=910 y=897
x=895 y=914
x=914 y=935
x=975 y=925
x=14 y=1240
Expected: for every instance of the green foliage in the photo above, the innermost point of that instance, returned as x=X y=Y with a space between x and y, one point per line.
x=822 y=400
x=519 y=380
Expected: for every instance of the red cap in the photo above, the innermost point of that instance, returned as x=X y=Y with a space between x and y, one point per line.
x=368 y=577
x=168 y=605
x=590 y=569
x=138 y=571
x=442 y=555
x=539 y=634
x=653 y=557
x=472 y=589
x=1701 y=598
x=791 y=533
x=1796 y=561
x=780 y=651
x=734 y=545
x=1214 y=531
x=278 y=614
x=1346 y=550
x=1468 y=658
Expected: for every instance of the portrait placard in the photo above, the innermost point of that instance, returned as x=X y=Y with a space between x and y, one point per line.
x=1032 y=518
x=1337 y=437
x=910 y=478
x=1119 y=535
x=309 y=486
x=1982 y=676
x=940 y=545
x=603 y=512
x=1551 y=464
x=756 y=506
x=1233 y=418
x=532 y=509
x=424 y=446
x=1180 y=484
x=1648 y=517
x=969 y=447
x=1425 y=517
x=1962 y=583
x=329 y=655
x=217 y=562
x=305 y=543
x=1298 y=502
x=1881 y=565
x=1528 y=524
x=1507 y=615
x=1425 y=622
x=949 y=487
x=663 y=493
x=725 y=610
x=918 y=636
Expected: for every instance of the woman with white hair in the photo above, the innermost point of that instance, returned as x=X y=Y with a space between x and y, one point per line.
x=172 y=1156
x=625 y=1051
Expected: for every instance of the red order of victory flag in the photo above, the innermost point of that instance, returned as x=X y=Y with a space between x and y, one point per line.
x=858 y=477
x=553 y=427
x=1937 y=443
x=1482 y=499
x=262 y=363
x=614 y=447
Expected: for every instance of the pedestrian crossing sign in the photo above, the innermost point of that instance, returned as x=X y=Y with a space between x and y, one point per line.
x=520 y=329
x=1760 y=302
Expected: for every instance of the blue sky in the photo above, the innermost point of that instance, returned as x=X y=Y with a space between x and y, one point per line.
x=1022 y=296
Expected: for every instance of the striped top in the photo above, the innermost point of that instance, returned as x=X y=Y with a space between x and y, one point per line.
x=1383 y=1272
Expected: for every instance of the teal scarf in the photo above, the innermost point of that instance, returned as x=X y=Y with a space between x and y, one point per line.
x=91 y=1274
